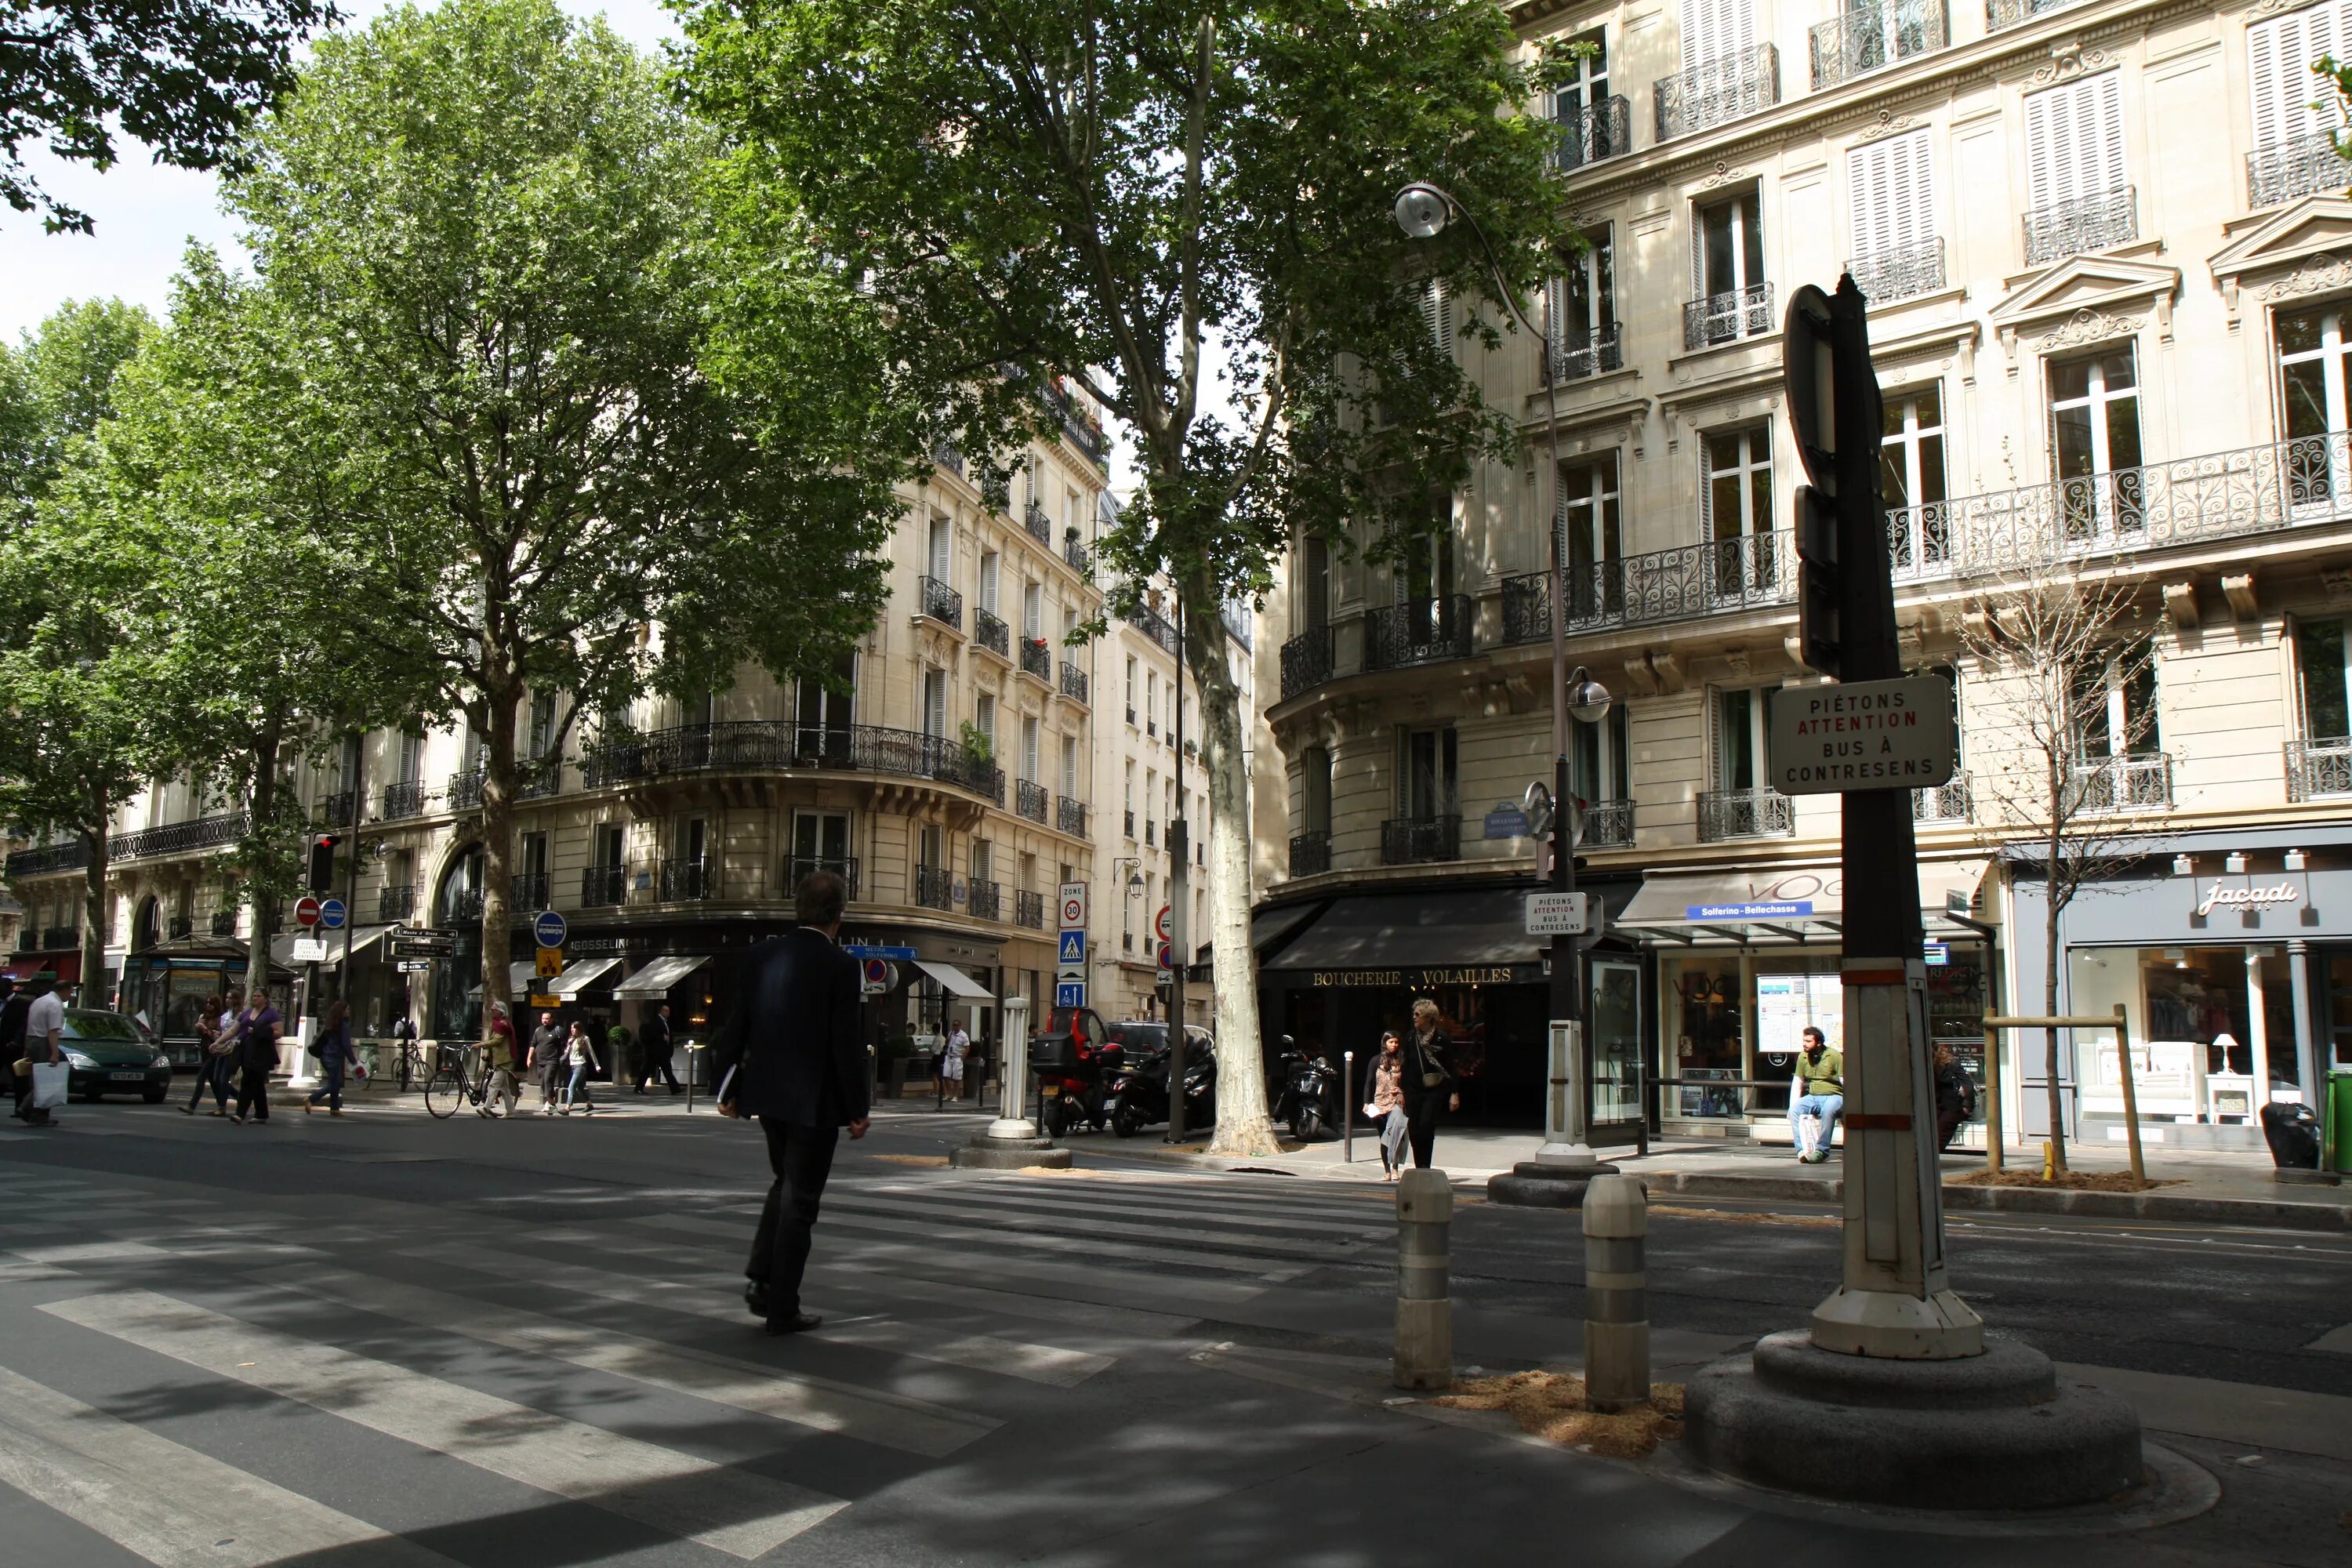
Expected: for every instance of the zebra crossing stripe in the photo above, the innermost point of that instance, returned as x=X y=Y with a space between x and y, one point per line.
x=888 y=1420
x=728 y=1509
x=992 y=1208
x=719 y=1295
x=172 y=1505
x=997 y=1237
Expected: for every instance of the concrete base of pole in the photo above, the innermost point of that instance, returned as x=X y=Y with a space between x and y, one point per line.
x=1534 y=1185
x=1997 y=1430
x=992 y=1154
x=1898 y=1327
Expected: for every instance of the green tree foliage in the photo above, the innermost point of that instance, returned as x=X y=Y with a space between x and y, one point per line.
x=1190 y=206
x=56 y=387
x=182 y=76
x=481 y=233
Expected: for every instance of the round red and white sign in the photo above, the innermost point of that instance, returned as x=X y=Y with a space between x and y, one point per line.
x=1073 y=914
x=1160 y=924
x=306 y=912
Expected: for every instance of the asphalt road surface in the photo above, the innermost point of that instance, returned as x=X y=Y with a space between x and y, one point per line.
x=386 y=1341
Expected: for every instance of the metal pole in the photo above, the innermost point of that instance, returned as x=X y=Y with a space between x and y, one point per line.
x=1013 y=1076
x=1347 y=1108
x=1180 y=897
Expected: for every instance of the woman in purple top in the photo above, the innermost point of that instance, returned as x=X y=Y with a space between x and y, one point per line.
x=257 y=1031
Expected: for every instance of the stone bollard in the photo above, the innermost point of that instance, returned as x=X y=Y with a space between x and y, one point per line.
x=1424 y=1320
x=1616 y=1310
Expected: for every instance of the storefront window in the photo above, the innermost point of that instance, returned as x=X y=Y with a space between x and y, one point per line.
x=1703 y=999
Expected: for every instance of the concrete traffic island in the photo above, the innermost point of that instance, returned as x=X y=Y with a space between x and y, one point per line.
x=1995 y=1431
x=1011 y=1141
x=1535 y=1185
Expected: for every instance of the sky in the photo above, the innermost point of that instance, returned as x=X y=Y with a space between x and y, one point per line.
x=147 y=212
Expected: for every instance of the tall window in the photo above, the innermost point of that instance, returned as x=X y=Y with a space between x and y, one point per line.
x=1152 y=700
x=542 y=723
x=983 y=719
x=990 y=563
x=1427 y=570
x=1727 y=271
x=2292 y=155
x=2313 y=400
x=1029 y=749
x=2327 y=679
x=608 y=845
x=1598 y=764
x=822 y=714
x=2095 y=433
x=692 y=839
x=1314 y=789
x=1589 y=534
x=983 y=860
x=940 y=557
x=411 y=763
x=2114 y=701
x=1150 y=804
x=1736 y=501
x=1578 y=106
x=931 y=845
x=935 y=703
x=1070 y=766
x=1130 y=688
x=1315 y=583
x=1911 y=475
x=2074 y=163
x=1583 y=306
x=1715 y=30
x=1427 y=774
x=534 y=865
x=820 y=838
x=1739 y=720
x=1890 y=202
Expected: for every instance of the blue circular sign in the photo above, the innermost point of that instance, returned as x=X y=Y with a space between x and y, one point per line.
x=331 y=913
x=550 y=928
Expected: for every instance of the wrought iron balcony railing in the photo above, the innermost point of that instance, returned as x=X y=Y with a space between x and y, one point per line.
x=604 y=887
x=464 y=790
x=1950 y=802
x=48 y=859
x=1153 y=625
x=225 y=923
x=1410 y=840
x=1593 y=131
x=2303 y=167
x=688 y=880
x=1893 y=275
x=948 y=458
x=1074 y=551
x=934 y=888
x=60 y=938
x=940 y=601
x=1306 y=661
x=2218 y=495
x=1728 y=316
x=405 y=798
x=1718 y=92
x=1310 y=853
x=1130 y=822
x=1744 y=814
x=1070 y=815
x=1603 y=351
x=539 y=779
x=394 y=903
x=1684 y=583
x=180 y=926
x=179 y=838
x=1075 y=684
x=335 y=810
x=1150 y=833
x=1033 y=519
x=2140 y=780
x=776 y=745
x=463 y=906
x=1418 y=631
x=799 y=866
x=1029 y=909
x=989 y=631
x=2318 y=769
x=1606 y=824
x=1036 y=659
x=2070 y=229
x=1082 y=432
x=28 y=939
x=1874 y=35
x=984 y=900
x=2001 y=13
x=528 y=892
x=1029 y=800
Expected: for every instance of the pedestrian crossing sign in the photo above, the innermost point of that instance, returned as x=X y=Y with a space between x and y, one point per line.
x=1074 y=947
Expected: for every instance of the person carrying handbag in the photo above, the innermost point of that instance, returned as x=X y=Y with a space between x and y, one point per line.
x=211 y=1056
x=1428 y=1081
x=579 y=1055
x=1384 y=1102
x=335 y=1056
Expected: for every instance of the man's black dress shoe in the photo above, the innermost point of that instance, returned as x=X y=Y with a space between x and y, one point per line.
x=755 y=1297
x=798 y=1323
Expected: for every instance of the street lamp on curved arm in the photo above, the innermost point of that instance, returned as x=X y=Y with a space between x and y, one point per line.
x=1422 y=211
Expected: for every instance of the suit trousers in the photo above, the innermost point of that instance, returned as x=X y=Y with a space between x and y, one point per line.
x=1420 y=1126
x=802 y=1158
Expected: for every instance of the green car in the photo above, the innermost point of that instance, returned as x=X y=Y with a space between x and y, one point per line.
x=108 y=1054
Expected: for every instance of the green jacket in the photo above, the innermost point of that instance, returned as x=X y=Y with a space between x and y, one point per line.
x=1824 y=1076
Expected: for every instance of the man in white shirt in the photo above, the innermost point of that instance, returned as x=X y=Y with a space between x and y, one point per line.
x=45 y=1029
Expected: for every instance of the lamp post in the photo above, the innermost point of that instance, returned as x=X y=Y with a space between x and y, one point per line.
x=1555 y=1178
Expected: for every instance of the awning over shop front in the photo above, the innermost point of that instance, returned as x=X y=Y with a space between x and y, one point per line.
x=657 y=978
x=957 y=982
x=66 y=966
x=580 y=975
x=1781 y=905
x=1270 y=928
x=519 y=974
x=1471 y=928
x=281 y=946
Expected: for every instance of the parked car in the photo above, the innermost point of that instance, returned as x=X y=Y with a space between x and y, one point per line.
x=107 y=1053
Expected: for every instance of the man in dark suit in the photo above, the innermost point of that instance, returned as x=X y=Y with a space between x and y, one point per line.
x=790 y=1041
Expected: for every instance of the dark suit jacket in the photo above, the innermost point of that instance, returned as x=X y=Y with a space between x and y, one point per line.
x=792 y=1033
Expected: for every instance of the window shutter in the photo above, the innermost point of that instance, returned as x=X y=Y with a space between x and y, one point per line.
x=1437 y=315
x=1866 y=198
x=1715 y=757
x=2280 y=53
x=2074 y=140
x=1706 y=493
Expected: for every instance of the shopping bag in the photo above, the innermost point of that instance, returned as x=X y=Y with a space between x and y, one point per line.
x=50 y=1081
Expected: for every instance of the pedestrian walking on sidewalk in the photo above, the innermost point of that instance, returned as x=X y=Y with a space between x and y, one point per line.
x=257 y=1030
x=1384 y=1102
x=500 y=1060
x=547 y=1060
x=789 y=1054
x=41 y=1041
x=653 y=1046
x=209 y=1070
x=336 y=1056
x=1956 y=1097
x=1818 y=1093
x=13 y=1009
x=579 y=1056
x=1429 y=1082
x=951 y=1058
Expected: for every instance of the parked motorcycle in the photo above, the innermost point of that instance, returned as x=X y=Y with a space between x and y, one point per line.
x=1304 y=1091
x=1138 y=1095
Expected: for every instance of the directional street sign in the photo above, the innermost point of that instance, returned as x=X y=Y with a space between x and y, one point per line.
x=415 y=966
x=1159 y=923
x=1073 y=906
x=550 y=928
x=411 y=941
x=872 y=949
x=550 y=961
x=306 y=912
x=330 y=914
x=1070 y=994
x=1073 y=948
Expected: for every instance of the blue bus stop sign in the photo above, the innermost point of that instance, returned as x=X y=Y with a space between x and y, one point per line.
x=550 y=928
x=331 y=913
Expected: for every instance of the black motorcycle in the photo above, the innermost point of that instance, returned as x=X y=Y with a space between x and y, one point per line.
x=1304 y=1091
x=1139 y=1094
